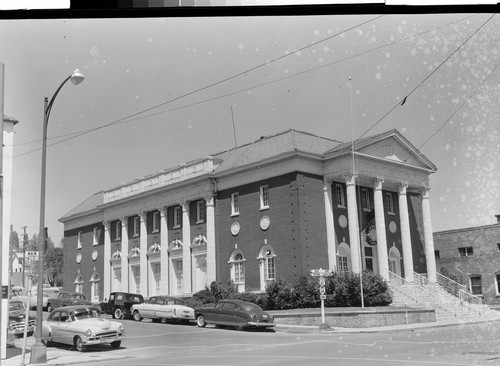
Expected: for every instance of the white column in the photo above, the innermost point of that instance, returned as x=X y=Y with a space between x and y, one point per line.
x=330 y=225
x=106 y=259
x=124 y=251
x=143 y=261
x=164 y=251
x=352 y=213
x=186 y=247
x=211 y=260
x=428 y=237
x=378 y=200
x=405 y=232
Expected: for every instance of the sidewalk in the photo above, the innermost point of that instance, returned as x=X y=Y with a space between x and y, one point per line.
x=63 y=356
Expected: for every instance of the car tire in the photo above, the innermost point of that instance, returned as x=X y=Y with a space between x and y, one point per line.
x=200 y=321
x=80 y=347
x=137 y=316
x=49 y=308
x=116 y=344
x=118 y=314
x=163 y=320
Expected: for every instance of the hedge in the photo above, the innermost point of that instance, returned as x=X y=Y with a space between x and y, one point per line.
x=342 y=290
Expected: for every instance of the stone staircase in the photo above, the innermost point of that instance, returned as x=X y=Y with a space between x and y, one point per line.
x=449 y=299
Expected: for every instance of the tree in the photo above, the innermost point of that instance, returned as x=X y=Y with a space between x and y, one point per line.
x=54 y=265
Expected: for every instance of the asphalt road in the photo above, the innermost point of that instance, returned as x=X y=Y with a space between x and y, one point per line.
x=174 y=344
x=150 y=344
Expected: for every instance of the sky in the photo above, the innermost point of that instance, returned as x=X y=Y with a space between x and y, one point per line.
x=159 y=92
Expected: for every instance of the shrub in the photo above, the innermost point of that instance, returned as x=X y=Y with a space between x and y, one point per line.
x=279 y=294
x=305 y=293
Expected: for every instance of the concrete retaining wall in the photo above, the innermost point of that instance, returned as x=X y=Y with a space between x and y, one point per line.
x=356 y=318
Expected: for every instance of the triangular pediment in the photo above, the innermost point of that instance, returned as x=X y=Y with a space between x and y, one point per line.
x=390 y=146
x=394 y=147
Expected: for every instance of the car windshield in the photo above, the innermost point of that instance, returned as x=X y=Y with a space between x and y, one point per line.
x=251 y=307
x=85 y=314
x=13 y=306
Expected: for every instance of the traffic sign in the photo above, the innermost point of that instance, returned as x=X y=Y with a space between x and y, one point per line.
x=322 y=290
x=321 y=281
x=320 y=272
x=322 y=297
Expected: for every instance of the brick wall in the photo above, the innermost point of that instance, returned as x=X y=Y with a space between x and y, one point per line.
x=484 y=261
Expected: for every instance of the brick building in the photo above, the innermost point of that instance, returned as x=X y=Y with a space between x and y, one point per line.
x=274 y=208
x=471 y=256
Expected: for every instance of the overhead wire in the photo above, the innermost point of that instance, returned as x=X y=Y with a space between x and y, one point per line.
x=127 y=118
x=130 y=118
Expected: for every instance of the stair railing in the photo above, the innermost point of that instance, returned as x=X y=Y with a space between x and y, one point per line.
x=463 y=299
x=453 y=287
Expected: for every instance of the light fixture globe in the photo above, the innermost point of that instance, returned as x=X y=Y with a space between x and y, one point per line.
x=77 y=77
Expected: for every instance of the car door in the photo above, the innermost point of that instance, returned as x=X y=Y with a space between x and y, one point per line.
x=160 y=308
x=53 y=324
x=148 y=308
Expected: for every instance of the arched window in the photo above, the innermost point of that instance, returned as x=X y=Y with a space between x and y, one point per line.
x=395 y=261
x=237 y=264
x=95 y=280
x=79 y=282
x=267 y=262
x=343 y=257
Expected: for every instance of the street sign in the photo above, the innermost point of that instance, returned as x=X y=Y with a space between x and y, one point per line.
x=320 y=272
x=322 y=290
x=321 y=281
x=322 y=297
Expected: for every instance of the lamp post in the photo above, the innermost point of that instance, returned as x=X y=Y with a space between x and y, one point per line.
x=39 y=351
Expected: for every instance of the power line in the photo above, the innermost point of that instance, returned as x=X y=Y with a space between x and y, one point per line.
x=130 y=118
x=426 y=78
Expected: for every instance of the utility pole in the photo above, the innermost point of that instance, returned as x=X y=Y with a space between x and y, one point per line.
x=24 y=252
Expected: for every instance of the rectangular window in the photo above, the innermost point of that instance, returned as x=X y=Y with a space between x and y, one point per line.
x=264 y=197
x=476 y=287
x=369 y=258
x=200 y=211
x=235 y=204
x=339 y=193
x=156 y=221
x=118 y=230
x=95 y=237
x=270 y=269
x=497 y=282
x=498 y=246
x=436 y=254
x=239 y=272
x=389 y=202
x=342 y=264
x=465 y=251
x=79 y=244
x=365 y=199
x=137 y=226
x=177 y=217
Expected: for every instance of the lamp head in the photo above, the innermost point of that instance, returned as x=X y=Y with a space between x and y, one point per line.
x=77 y=77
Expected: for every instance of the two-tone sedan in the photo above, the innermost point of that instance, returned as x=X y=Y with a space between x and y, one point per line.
x=81 y=326
x=163 y=308
x=235 y=313
x=67 y=298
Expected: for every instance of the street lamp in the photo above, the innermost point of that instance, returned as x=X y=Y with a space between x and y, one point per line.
x=39 y=351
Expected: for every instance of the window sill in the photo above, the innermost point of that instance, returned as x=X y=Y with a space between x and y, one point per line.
x=264 y=208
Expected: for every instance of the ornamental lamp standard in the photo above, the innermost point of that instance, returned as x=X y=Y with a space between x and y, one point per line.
x=39 y=351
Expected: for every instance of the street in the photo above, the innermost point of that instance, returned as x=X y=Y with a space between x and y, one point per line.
x=175 y=344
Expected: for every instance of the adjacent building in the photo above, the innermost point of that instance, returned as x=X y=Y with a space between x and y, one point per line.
x=273 y=208
x=471 y=256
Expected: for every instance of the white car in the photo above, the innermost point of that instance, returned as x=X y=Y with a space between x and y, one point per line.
x=23 y=296
x=81 y=326
x=163 y=308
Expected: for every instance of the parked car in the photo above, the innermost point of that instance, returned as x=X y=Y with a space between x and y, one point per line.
x=81 y=326
x=23 y=296
x=235 y=313
x=66 y=298
x=119 y=304
x=17 y=319
x=163 y=308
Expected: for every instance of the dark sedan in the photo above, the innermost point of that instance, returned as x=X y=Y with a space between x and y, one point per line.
x=236 y=313
x=66 y=298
